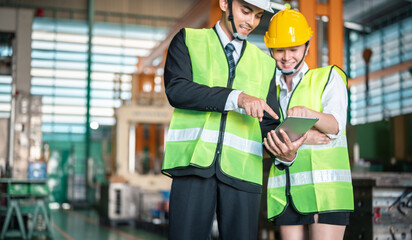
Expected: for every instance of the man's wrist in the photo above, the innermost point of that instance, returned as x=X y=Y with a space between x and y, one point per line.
x=232 y=100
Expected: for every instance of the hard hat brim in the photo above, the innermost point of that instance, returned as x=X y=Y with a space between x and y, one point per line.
x=260 y=5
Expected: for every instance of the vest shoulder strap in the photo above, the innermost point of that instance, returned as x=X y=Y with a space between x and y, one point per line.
x=341 y=73
x=325 y=73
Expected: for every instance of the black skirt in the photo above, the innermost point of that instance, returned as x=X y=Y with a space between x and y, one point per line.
x=291 y=217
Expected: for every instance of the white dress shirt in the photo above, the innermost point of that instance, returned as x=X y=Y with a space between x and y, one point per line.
x=232 y=100
x=334 y=99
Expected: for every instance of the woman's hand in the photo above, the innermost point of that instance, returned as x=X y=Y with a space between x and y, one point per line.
x=300 y=111
x=326 y=124
x=316 y=137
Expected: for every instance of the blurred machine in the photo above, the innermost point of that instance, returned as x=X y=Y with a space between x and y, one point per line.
x=141 y=128
x=383 y=206
x=119 y=206
x=127 y=160
x=127 y=204
x=27 y=145
x=137 y=191
x=4 y=126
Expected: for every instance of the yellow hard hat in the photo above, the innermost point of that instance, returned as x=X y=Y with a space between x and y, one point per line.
x=287 y=28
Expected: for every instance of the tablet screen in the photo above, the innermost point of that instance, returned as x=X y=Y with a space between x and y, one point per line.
x=295 y=127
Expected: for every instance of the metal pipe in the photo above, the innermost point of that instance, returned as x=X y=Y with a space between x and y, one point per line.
x=89 y=69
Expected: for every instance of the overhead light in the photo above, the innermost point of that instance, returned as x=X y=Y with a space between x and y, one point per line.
x=356 y=26
x=147 y=87
x=158 y=80
x=160 y=71
x=324 y=18
x=94 y=125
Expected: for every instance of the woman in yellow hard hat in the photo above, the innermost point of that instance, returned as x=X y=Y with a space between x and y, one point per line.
x=312 y=197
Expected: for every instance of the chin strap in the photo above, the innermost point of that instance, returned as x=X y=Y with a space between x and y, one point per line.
x=230 y=18
x=295 y=69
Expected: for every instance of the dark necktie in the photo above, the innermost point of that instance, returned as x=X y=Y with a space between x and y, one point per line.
x=229 y=50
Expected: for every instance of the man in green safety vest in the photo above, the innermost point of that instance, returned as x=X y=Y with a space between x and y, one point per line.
x=315 y=193
x=224 y=92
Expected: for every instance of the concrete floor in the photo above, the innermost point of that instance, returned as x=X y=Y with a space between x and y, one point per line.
x=84 y=224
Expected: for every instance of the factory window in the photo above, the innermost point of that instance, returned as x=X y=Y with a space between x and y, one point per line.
x=388 y=95
x=59 y=70
x=59 y=74
x=6 y=55
x=5 y=96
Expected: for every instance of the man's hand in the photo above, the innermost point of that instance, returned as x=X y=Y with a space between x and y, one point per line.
x=286 y=151
x=316 y=137
x=255 y=106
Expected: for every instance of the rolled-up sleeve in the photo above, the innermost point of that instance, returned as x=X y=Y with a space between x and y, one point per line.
x=335 y=101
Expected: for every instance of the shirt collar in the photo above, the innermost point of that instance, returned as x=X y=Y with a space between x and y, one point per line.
x=224 y=39
x=295 y=80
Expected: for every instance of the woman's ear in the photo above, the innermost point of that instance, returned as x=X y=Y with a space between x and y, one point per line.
x=307 y=49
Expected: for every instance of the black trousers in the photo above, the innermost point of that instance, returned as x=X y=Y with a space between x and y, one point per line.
x=194 y=201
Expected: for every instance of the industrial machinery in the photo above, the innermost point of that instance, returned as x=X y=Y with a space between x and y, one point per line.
x=128 y=117
x=120 y=204
x=383 y=206
x=140 y=130
x=141 y=127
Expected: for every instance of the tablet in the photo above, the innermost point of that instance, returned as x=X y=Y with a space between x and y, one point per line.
x=295 y=127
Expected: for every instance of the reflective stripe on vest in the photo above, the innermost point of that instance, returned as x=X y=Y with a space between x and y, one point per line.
x=193 y=135
x=310 y=177
x=320 y=178
x=211 y=136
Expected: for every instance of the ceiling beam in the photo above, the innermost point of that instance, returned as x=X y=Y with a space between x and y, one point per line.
x=194 y=17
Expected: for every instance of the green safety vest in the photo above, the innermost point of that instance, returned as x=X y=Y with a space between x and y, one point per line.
x=320 y=178
x=193 y=135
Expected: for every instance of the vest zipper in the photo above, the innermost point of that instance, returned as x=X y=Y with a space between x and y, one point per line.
x=224 y=115
x=287 y=182
x=287 y=190
x=297 y=85
x=281 y=111
x=222 y=126
x=221 y=137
